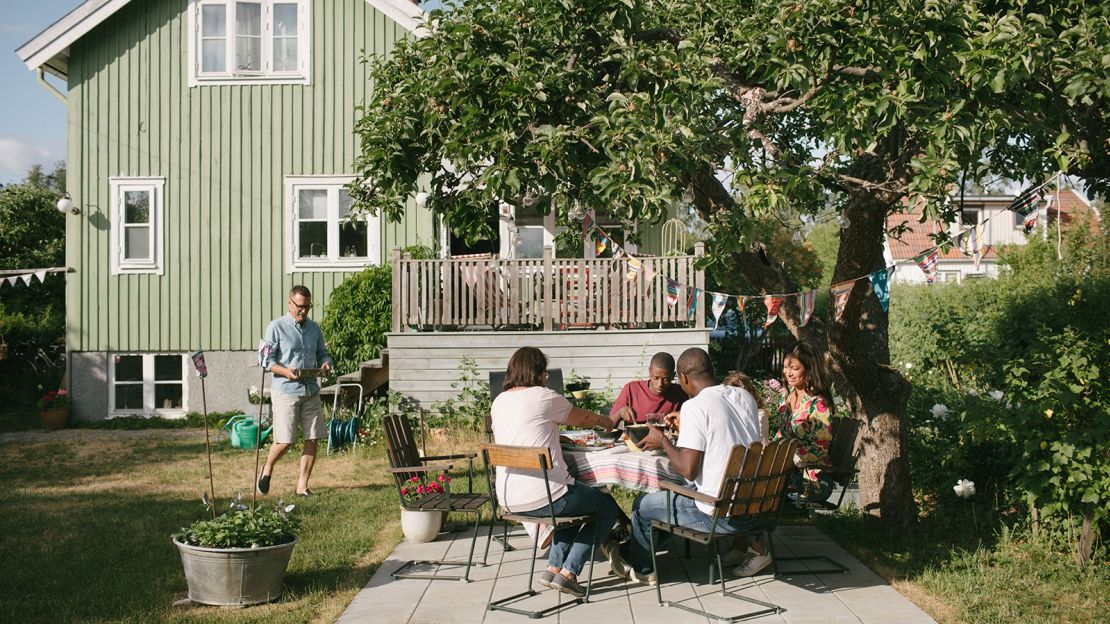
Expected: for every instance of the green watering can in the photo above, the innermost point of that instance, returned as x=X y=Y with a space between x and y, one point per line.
x=242 y=430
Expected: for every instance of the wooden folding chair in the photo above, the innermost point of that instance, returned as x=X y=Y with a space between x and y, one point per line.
x=841 y=470
x=754 y=480
x=537 y=458
x=405 y=462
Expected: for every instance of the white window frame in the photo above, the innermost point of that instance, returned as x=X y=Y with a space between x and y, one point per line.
x=332 y=261
x=156 y=187
x=149 y=409
x=303 y=73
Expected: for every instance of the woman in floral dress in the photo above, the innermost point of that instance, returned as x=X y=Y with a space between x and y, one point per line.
x=804 y=414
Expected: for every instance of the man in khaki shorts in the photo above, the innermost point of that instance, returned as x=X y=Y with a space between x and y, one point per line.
x=294 y=343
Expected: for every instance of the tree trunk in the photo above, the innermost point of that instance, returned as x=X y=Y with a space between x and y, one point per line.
x=857 y=345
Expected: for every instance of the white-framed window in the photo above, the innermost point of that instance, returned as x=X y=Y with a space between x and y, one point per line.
x=147 y=384
x=247 y=42
x=136 y=207
x=321 y=233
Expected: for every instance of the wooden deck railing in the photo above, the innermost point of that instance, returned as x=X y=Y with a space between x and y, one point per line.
x=458 y=294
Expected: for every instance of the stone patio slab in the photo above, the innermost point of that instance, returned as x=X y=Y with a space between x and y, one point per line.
x=857 y=597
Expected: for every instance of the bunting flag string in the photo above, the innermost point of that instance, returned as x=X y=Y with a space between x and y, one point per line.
x=880 y=284
x=840 y=292
x=773 y=305
x=969 y=241
x=672 y=292
x=928 y=263
x=806 y=301
x=720 y=300
x=692 y=302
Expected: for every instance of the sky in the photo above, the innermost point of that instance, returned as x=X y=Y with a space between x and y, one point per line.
x=32 y=121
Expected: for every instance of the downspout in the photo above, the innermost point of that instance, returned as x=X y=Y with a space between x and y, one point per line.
x=51 y=88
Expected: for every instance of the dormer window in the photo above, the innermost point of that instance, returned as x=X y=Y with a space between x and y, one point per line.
x=246 y=42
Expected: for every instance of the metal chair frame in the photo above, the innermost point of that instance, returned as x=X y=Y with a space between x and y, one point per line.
x=541 y=460
x=842 y=453
x=405 y=463
x=755 y=479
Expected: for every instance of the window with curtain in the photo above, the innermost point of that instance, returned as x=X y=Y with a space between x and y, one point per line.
x=252 y=41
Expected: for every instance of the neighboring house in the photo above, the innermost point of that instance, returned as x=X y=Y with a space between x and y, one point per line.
x=1001 y=227
x=208 y=145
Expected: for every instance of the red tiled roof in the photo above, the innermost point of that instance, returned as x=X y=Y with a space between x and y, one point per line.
x=916 y=238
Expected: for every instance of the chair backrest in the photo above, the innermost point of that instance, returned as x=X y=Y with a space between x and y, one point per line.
x=842 y=448
x=755 y=478
x=522 y=457
x=497 y=382
x=400 y=444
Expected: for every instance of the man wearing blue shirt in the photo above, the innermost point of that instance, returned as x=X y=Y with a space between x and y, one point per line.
x=295 y=343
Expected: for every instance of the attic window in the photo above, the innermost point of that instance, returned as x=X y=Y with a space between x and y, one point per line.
x=257 y=41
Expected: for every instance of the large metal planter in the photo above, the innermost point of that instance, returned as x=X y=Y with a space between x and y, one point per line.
x=235 y=576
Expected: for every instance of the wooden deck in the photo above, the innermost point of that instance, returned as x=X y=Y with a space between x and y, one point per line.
x=548 y=294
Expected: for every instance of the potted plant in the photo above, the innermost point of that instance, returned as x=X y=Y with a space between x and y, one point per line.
x=577 y=385
x=417 y=525
x=53 y=409
x=238 y=558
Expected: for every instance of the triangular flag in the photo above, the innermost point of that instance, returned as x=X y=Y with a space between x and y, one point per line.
x=1026 y=202
x=773 y=304
x=41 y=275
x=928 y=263
x=634 y=267
x=720 y=300
x=805 y=305
x=740 y=301
x=12 y=280
x=265 y=352
x=599 y=246
x=840 y=294
x=971 y=243
x=587 y=225
x=26 y=278
x=618 y=251
x=649 y=273
x=692 y=303
x=672 y=292
x=880 y=284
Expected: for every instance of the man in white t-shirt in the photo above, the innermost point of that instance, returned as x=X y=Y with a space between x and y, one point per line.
x=714 y=419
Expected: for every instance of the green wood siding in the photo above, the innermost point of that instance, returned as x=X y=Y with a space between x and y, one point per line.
x=224 y=152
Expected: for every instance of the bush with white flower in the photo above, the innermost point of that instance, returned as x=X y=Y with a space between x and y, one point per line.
x=241 y=527
x=964 y=488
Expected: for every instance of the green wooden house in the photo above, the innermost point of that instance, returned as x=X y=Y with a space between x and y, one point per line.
x=208 y=145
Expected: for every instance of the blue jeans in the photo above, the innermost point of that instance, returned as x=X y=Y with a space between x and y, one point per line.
x=570 y=547
x=653 y=506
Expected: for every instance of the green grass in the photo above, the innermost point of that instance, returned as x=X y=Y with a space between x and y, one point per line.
x=87 y=524
x=962 y=569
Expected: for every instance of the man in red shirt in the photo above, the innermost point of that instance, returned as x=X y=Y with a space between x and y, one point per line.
x=655 y=396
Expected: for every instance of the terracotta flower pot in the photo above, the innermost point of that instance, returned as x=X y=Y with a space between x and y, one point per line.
x=55 y=419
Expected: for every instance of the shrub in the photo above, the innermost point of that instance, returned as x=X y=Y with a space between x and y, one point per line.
x=36 y=358
x=241 y=528
x=359 y=314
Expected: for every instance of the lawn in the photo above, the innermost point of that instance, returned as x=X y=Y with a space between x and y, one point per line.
x=88 y=516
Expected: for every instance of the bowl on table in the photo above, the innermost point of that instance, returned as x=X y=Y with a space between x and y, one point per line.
x=610 y=436
x=637 y=433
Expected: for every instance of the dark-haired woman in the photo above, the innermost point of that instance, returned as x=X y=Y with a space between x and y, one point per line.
x=528 y=413
x=804 y=414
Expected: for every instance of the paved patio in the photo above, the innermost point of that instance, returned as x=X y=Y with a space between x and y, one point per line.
x=858 y=596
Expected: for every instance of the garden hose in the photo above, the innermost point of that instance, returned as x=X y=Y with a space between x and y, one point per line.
x=342 y=433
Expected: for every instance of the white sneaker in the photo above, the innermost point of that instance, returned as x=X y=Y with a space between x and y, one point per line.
x=644 y=579
x=756 y=564
x=735 y=557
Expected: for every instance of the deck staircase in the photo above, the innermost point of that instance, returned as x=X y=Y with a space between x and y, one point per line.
x=372 y=375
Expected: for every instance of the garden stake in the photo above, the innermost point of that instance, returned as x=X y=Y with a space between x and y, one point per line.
x=202 y=372
x=258 y=441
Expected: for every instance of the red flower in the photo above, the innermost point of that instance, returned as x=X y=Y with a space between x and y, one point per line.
x=441 y=477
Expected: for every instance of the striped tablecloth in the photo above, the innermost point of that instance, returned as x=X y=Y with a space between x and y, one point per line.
x=619 y=466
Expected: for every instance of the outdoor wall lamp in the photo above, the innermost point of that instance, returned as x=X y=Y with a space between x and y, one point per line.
x=421 y=200
x=65 y=204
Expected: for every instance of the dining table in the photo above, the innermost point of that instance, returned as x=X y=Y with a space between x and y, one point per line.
x=637 y=470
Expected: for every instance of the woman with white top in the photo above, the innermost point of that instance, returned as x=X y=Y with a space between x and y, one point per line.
x=528 y=413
